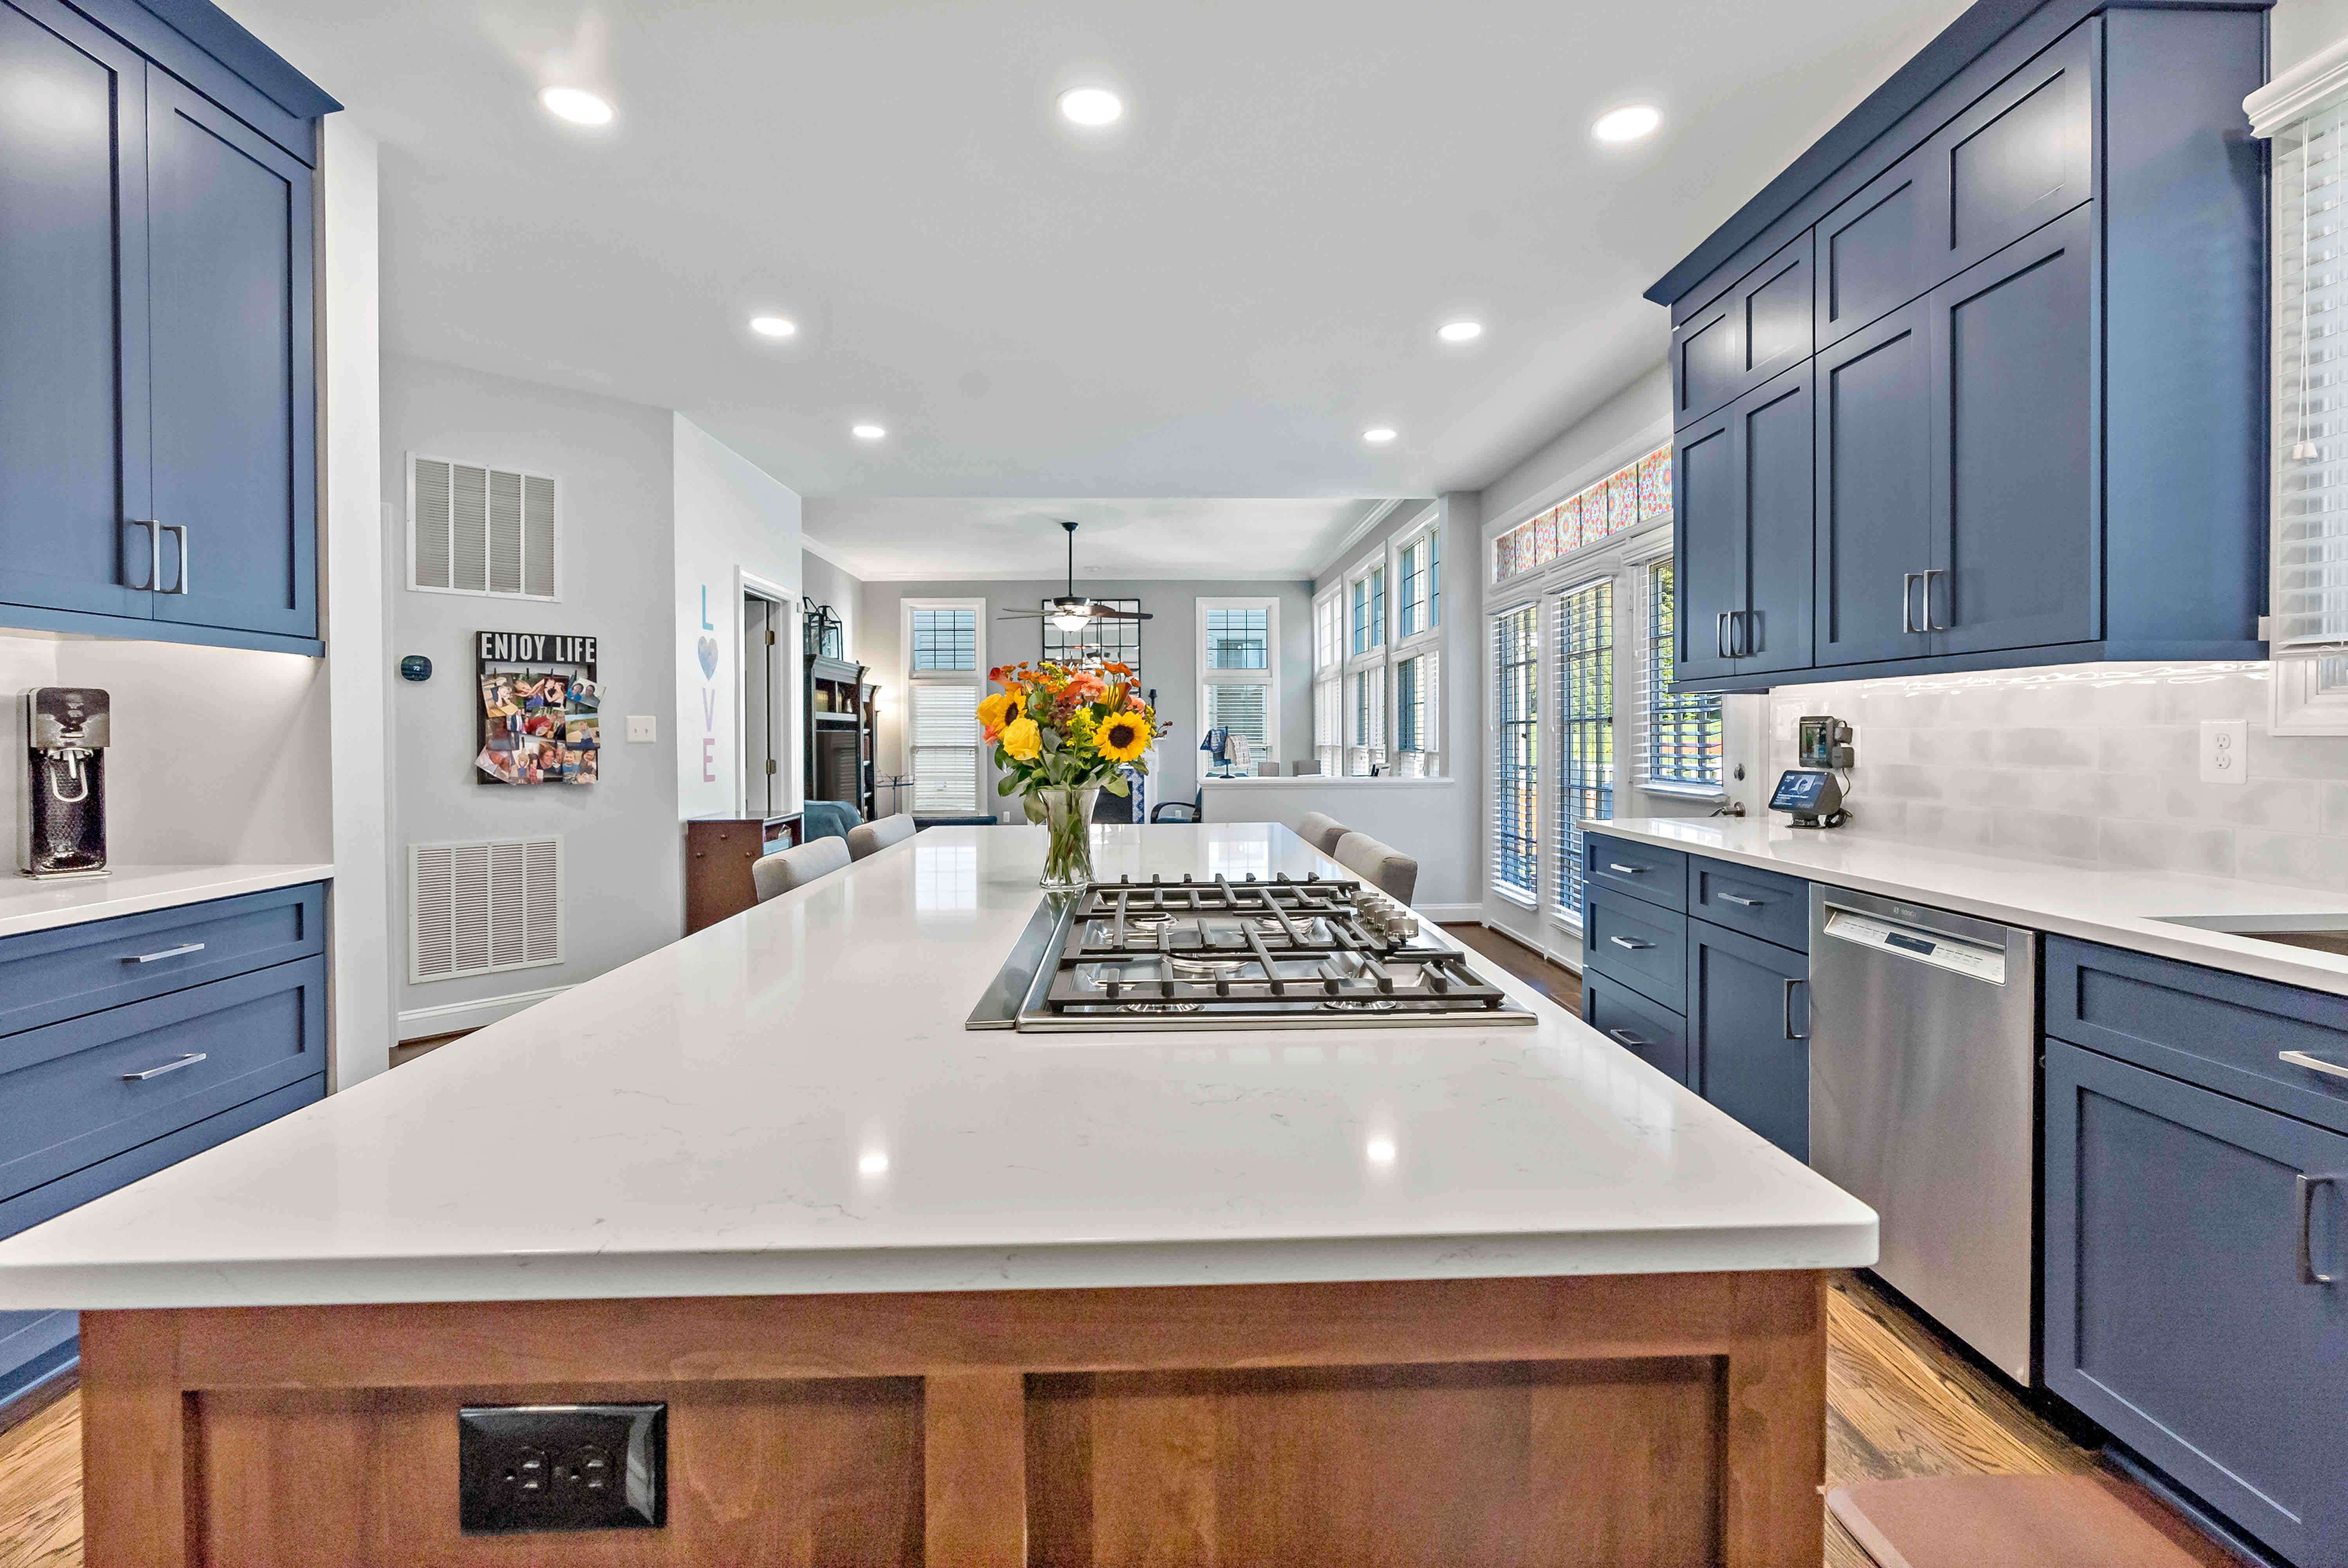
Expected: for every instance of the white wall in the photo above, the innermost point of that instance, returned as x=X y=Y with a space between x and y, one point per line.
x=624 y=891
x=1418 y=816
x=735 y=524
x=1169 y=662
x=2297 y=29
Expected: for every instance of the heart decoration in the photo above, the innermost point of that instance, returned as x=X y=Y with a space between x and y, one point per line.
x=709 y=658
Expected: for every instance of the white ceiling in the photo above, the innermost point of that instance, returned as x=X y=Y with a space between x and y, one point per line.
x=1215 y=299
x=909 y=539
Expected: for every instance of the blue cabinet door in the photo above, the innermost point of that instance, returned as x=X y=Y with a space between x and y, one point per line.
x=233 y=403
x=1874 y=467
x=2178 y=1309
x=1707 y=542
x=1748 y=1019
x=2017 y=528
x=1771 y=629
x=73 y=295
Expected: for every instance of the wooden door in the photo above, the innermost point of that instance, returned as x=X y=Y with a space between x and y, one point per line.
x=233 y=402
x=1708 y=543
x=1771 y=629
x=2017 y=534
x=73 y=300
x=1874 y=477
x=1748 y=1020
x=2176 y=1313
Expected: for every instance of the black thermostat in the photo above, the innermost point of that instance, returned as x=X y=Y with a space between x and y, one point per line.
x=415 y=667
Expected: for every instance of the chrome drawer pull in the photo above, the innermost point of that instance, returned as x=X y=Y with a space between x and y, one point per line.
x=2312 y=1063
x=191 y=1059
x=179 y=951
x=2307 y=1186
x=1626 y=942
x=1628 y=1038
x=1626 y=871
x=1790 y=983
x=1746 y=902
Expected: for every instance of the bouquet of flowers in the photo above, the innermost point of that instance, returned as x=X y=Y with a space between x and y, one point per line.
x=1060 y=737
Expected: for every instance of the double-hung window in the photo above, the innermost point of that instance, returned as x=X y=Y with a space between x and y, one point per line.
x=1329 y=680
x=1516 y=773
x=1585 y=708
x=1422 y=584
x=1369 y=591
x=1681 y=739
x=1367 y=670
x=1416 y=732
x=1239 y=672
x=945 y=660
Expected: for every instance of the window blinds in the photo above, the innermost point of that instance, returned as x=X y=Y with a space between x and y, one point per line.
x=1242 y=710
x=2310 y=545
x=1681 y=742
x=946 y=749
x=1515 y=770
x=1329 y=722
x=1585 y=690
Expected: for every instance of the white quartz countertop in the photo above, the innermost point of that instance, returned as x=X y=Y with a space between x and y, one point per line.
x=2123 y=909
x=787 y=1102
x=26 y=904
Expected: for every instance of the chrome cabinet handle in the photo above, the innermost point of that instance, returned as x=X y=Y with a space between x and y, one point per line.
x=180 y=532
x=1790 y=983
x=1747 y=902
x=1931 y=622
x=2307 y=1186
x=191 y=1059
x=1720 y=637
x=1626 y=942
x=1908 y=602
x=1626 y=871
x=2312 y=1063
x=1628 y=1038
x=1740 y=642
x=179 y=951
x=154 y=553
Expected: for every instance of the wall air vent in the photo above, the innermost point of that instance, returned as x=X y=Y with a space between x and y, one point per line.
x=478 y=908
x=478 y=530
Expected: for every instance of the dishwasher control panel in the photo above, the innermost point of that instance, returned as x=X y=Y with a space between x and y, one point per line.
x=1934 y=947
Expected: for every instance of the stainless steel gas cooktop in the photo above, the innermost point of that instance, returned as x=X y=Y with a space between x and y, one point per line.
x=1192 y=954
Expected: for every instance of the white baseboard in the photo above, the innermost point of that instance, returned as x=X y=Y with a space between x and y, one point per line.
x=1451 y=914
x=423 y=1023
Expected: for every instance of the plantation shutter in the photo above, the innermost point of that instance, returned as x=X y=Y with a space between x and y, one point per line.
x=2310 y=539
x=946 y=749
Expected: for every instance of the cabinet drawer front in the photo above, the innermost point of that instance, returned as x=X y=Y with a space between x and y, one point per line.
x=1638 y=944
x=1774 y=305
x=1877 y=251
x=1758 y=903
x=1656 y=875
x=2226 y=1032
x=49 y=976
x=2176 y=1314
x=1656 y=1036
x=2021 y=157
x=1706 y=362
x=82 y=1091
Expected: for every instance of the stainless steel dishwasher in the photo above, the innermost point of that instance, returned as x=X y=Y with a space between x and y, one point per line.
x=1922 y=1065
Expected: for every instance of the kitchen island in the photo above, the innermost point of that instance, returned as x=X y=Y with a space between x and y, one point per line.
x=912 y=1293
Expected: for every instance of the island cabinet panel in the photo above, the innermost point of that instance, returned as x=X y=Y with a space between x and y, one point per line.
x=1421 y=1424
x=2196 y=1291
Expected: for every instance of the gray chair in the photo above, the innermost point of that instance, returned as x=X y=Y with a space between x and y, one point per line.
x=1321 y=832
x=777 y=873
x=871 y=838
x=1382 y=865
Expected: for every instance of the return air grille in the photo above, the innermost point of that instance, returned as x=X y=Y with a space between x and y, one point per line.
x=476 y=909
x=478 y=530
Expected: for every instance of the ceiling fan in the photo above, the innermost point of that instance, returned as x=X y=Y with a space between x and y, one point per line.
x=1072 y=612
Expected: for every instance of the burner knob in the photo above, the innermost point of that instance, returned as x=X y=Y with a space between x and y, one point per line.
x=1402 y=927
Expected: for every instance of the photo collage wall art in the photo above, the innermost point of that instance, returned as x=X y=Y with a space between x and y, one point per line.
x=540 y=710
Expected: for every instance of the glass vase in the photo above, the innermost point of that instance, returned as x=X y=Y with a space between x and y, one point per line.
x=1068 y=842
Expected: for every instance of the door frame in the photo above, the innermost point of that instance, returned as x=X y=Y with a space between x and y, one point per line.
x=785 y=676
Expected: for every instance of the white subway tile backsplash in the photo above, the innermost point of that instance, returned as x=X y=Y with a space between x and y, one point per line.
x=2096 y=765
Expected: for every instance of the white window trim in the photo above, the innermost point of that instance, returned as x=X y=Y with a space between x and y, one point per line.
x=974 y=678
x=1433 y=633
x=1379 y=560
x=1267 y=677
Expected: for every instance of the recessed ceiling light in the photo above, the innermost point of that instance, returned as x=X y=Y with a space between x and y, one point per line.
x=576 y=105
x=1381 y=1151
x=774 y=326
x=867 y=432
x=1091 y=106
x=873 y=1164
x=1378 y=435
x=1460 y=331
x=1628 y=123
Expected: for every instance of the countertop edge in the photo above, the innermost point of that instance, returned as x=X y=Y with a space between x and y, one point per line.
x=141 y=890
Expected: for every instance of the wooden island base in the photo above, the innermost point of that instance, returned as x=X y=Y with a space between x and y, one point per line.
x=1671 y=1419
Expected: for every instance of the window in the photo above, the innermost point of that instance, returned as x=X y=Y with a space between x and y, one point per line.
x=944 y=643
x=1516 y=774
x=1239 y=672
x=1328 y=681
x=1418 y=726
x=1682 y=747
x=1585 y=708
x=1422 y=586
x=1100 y=643
x=1636 y=493
x=1366 y=721
x=1370 y=609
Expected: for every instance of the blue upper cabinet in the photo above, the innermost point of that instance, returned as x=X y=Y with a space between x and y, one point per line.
x=158 y=381
x=2020 y=454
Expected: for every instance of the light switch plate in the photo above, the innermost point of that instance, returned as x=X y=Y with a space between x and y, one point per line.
x=2225 y=751
x=643 y=727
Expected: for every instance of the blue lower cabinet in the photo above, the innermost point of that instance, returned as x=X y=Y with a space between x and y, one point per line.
x=1637 y=944
x=1748 y=1028
x=1656 y=1034
x=2196 y=1291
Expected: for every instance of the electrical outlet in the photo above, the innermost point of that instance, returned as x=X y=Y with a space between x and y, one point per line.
x=643 y=727
x=528 y=1467
x=2225 y=751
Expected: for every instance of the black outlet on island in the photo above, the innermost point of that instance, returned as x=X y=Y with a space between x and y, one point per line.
x=523 y=1468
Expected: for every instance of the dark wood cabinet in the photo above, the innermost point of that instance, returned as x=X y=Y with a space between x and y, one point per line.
x=718 y=854
x=838 y=753
x=1747 y=1019
x=1743 y=542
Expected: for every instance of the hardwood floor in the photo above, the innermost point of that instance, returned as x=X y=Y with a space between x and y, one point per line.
x=1899 y=1402
x=1554 y=981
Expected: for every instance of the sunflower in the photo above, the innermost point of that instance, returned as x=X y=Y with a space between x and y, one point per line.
x=1122 y=736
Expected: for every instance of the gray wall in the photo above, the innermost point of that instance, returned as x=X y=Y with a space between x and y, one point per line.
x=1170 y=660
x=826 y=584
x=624 y=879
